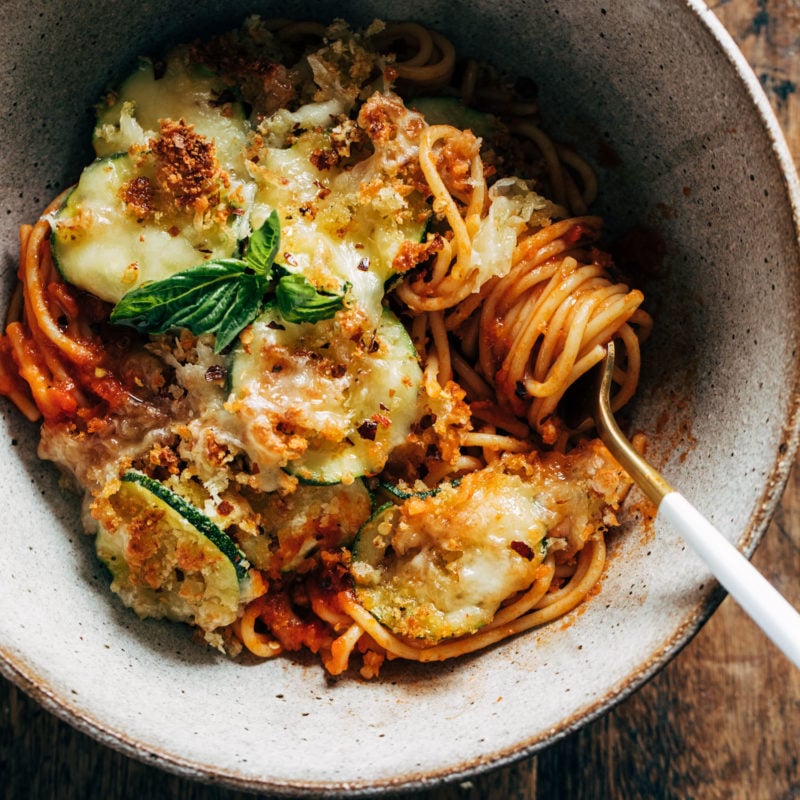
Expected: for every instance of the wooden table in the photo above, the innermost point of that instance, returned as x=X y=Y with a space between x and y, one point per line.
x=721 y=721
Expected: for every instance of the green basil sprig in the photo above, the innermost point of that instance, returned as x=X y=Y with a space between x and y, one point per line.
x=223 y=295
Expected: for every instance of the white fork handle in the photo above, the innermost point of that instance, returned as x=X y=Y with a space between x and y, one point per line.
x=759 y=598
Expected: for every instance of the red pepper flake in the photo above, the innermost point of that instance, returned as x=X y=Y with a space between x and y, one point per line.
x=216 y=372
x=224 y=508
x=523 y=549
x=367 y=430
x=363 y=265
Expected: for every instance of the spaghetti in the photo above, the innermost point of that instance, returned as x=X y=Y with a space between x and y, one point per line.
x=350 y=531
x=48 y=341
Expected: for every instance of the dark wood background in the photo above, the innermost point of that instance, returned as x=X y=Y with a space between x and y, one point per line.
x=722 y=720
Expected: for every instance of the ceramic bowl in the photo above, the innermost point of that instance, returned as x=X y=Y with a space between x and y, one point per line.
x=656 y=95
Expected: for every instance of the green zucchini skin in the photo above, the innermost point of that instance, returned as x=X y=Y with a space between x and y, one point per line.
x=400 y=493
x=194 y=517
x=105 y=245
x=166 y=558
x=295 y=527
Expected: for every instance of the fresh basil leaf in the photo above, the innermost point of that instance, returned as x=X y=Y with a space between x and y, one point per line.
x=263 y=245
x=300 y=301
x=218 y=297
x=152 y=306
x=245 y=306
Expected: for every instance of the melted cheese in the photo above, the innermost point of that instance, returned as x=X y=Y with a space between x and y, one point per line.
x=341 y=225
x=328 y=401
x=184 y=91
x=102 y=247
x=440 y=566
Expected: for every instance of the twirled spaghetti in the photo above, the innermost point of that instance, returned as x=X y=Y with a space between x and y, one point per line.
x=316 y=483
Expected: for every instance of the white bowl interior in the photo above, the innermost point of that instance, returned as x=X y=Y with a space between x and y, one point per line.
x=695 y=159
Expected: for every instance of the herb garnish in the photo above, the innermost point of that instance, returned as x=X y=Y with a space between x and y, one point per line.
x=299 y=301
x=224 y=295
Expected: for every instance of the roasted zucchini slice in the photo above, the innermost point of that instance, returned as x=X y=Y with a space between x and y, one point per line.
x=325 y=406
x=175 y=89
x=166 y=558
x=440 y=566
x=102 y=245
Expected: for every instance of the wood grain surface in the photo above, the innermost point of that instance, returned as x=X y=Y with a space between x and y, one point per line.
x=722 y=720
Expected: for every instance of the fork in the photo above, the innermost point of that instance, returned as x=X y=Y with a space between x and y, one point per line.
x=754 y=593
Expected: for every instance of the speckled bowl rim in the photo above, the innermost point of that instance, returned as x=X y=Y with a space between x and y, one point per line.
x=13 y=669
